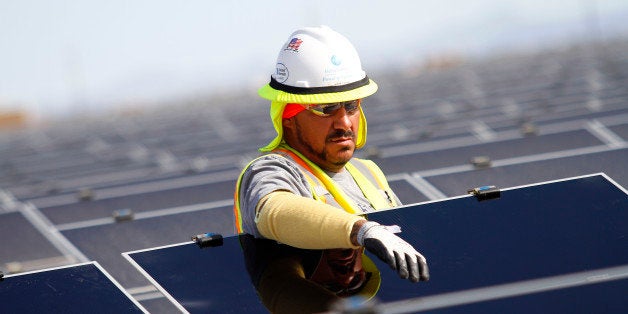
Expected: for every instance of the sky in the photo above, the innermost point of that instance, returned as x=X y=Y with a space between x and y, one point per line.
x=62 y=57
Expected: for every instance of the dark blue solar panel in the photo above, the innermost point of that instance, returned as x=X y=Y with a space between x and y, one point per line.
x=533 y=232
x=566 y=228
x=605 y=297
x=76 y=289
x=143 y=233
x=203 y=280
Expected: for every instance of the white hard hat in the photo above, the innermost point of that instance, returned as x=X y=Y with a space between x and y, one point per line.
x=318 y=65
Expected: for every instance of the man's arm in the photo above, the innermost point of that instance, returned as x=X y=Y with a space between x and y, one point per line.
x=308 y=224
x=304 y=222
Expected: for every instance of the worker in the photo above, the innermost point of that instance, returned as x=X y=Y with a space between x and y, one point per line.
x=307 y=190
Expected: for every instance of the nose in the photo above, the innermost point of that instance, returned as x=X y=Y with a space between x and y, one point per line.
x=342 y=120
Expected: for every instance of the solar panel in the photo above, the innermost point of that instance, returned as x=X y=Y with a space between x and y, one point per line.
x=21 y=241
x=82 y=288
x=539 y=245
x=104 y=243
x=529 y=169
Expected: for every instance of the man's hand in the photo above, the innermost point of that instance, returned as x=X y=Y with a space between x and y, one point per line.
x=393 y=250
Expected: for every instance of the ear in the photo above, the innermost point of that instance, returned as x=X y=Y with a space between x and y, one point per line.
x=288 y=123
x=289 y=129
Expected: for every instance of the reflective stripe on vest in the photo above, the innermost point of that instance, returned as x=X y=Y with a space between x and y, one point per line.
x=367 y=183
x=316 y=186
x=237 y=214
x=374 y=174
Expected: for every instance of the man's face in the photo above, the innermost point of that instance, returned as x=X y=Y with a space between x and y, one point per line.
x=327 y=141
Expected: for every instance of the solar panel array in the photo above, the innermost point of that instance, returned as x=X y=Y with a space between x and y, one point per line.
x=90 y=189
x=516 y=251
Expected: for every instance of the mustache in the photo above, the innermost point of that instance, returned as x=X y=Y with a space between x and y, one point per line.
x=341 y=133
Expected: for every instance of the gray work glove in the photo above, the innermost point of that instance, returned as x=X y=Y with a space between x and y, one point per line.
x=397 y=253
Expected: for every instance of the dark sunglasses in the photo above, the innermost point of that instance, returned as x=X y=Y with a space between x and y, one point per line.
x=326 y=110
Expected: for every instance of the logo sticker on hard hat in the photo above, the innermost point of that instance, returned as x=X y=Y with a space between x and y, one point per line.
x=294 y=44
x=281 y=73
x=336 y=73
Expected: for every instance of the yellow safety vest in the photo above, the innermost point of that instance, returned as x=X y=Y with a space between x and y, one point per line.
x=369 y=178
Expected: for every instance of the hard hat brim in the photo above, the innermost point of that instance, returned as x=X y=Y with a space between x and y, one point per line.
x=273 y=94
